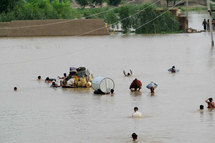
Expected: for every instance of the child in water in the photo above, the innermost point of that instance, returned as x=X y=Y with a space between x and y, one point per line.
x=134 y=136
x=136 y=113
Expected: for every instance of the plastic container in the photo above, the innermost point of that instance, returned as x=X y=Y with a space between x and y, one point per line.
x=103 y=83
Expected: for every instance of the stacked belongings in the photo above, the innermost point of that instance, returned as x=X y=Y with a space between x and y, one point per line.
x=78 y=77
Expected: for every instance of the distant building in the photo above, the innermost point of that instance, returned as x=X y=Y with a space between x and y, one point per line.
x=163 y=2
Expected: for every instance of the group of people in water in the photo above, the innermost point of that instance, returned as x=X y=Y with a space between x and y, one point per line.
x=206 y=24
x=77 y=77
x=135 y=86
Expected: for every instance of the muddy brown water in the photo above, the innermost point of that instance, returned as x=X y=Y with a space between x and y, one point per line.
x=37 y=113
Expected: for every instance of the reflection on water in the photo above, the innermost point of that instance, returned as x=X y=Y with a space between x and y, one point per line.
x=38 y=113
x=135 y=93
x=77 y=90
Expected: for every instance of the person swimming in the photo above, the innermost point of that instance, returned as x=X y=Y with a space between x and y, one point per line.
x=136 y=113
x=136 y=85
x=64 y=76
x=201 y=107
x=39 y=78
x=112 y=91
x=50 y=79
x=54 y=85
x=15 y=88
x=128 y=74
x=173 y=70
x=134 y=136
x=210 y=103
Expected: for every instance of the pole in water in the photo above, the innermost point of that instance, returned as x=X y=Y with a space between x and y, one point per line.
x=187 y=9
x=210 y=22
x=187 y=14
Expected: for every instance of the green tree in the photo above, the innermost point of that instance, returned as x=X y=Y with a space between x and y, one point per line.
x=63 y=9
x=124 y=17
x=82 y=3
x=114 y=2
x=111 y=19
x=7 y=5
x=144 y=17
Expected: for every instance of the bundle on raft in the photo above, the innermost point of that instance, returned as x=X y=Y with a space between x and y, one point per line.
x=78 y=77
x=102 y=85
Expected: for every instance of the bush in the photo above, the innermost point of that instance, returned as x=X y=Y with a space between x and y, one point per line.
x=39 y=9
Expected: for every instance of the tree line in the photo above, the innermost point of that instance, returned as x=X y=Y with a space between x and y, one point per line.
x=93 y=3
x=129 y=16
x=8 y=5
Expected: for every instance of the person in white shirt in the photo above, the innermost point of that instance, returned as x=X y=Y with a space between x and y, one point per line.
x=136 y=113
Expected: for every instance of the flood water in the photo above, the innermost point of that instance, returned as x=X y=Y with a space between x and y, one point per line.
x=37 y=113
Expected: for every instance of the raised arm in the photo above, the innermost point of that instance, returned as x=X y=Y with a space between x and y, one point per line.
x=131 y=72
x=124 y=72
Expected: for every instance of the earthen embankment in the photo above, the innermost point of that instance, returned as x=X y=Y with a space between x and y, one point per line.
x=58 y=27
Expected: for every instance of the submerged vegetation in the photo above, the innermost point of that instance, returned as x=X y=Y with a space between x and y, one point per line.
x=129 y=16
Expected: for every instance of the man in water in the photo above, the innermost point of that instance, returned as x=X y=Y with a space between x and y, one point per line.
x=54 y=85
x=135 y=85
x=64 y=76
x=15 y=88
x=49 y=80
x=128 y=74
x=134 y=136
x=204 y=23
x=39 y=78
x=172 y=69
x=210 y=103
x=201 y=107
x=136 y=113
x=112 y=91
x=208 y=25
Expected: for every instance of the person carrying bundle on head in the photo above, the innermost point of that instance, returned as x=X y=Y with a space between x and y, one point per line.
x=136 y=85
